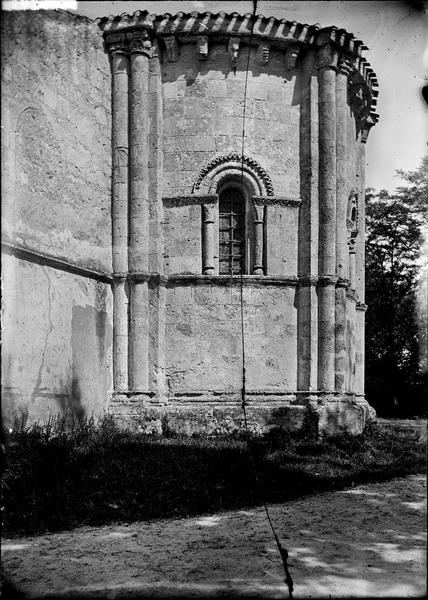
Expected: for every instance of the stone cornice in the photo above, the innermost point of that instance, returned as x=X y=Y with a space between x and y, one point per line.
x=279 y=32
x=340 y=49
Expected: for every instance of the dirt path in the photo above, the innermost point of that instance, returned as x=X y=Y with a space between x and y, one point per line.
x=367 y=541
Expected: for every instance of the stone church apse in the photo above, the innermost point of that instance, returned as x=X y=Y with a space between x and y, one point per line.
x=144 y=217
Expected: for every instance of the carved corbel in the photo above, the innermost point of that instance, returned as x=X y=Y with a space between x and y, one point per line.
x=140 y=43
x=291 y=56
x=365 y=127
x=327 y=57
x=171 y=48
x=359 y=101
x=233 y=50
x=202 y=45
x=262 y=54
x=345 y=65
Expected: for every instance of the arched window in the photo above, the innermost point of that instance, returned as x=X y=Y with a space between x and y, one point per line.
x=232 y=236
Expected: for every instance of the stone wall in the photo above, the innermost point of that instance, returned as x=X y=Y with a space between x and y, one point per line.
x=203 y=108
x=203 y=338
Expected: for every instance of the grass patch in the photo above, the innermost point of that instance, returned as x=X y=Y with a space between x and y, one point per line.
x=59 y=477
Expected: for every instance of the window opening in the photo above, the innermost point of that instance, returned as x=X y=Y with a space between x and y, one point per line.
x=232 y=232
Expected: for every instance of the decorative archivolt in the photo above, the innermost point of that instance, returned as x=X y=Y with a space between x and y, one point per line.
x=234 y=166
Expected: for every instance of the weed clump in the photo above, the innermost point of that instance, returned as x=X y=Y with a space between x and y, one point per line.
x=62 y=475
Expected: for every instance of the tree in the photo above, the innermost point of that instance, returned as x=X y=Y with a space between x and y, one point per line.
x=396 y=225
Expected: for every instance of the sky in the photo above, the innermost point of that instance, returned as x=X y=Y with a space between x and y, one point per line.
x=395 y=32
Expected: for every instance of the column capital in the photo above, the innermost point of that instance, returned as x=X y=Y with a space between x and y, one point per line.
x=327 y=57
x=259 y=210
x=209 y=212
x=140 y=43
x=116 y=44
x=351 y=245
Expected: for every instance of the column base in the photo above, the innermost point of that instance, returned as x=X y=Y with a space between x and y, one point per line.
x=208 y=413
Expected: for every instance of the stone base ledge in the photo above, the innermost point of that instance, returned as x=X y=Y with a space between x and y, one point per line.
x=326 y=415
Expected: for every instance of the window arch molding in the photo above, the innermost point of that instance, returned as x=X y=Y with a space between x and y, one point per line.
x=233 y=164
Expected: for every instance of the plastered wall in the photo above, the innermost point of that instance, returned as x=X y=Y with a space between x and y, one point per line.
x=57 y=337
x=56 y=198
x=56 y=136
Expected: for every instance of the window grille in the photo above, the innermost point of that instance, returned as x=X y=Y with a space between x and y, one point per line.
x=232 y=232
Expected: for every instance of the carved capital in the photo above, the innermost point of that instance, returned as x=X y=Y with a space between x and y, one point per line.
x=209 y=211
x=116 y=44
x=351 y=244
x=259 y=210
x=262 y=54
x=291 y=56
x=140 y=43
x=233 y=50
x=327 y=57
x=202 y=46
x=171 y=47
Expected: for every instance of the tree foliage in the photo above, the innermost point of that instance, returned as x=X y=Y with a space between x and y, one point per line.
x=395 y=328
